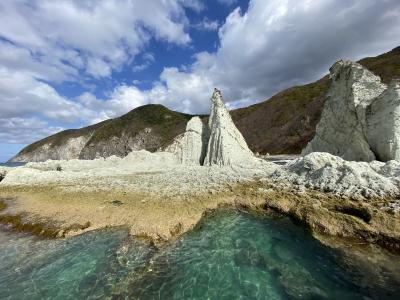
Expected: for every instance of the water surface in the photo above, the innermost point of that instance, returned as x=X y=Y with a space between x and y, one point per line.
x=12 y=164
x=229 y=255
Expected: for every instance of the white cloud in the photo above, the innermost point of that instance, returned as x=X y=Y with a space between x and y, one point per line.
x=227 y=2
x=24 y=96
x=195 y=5
x=270 y=47
x=95 y=37
x=278 y=44
x=274 y=45
x=98 y=68
x=44 y=42
x=24 y=130
x=207 y=25
x=148 y=58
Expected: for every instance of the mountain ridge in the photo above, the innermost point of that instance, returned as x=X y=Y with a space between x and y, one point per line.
x=282 y=124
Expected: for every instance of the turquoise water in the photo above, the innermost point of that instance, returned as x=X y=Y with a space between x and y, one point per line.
x=10 y=164
x=229 y=255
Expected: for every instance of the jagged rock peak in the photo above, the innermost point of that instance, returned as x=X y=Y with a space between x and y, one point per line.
x=342 y=128
x=190 y=148
x=226 y=145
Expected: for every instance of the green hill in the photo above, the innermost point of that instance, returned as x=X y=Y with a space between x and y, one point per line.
x=283 y=124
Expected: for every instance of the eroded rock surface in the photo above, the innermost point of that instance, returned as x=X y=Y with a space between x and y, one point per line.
x=342 y=128
x=329 y=173
x=70 y=149
x=226 y=145
x=121 y=145
x=191 y=147
x=383 y=123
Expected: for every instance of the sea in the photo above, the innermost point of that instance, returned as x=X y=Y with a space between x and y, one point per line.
x=11 y=164
x=228 y=255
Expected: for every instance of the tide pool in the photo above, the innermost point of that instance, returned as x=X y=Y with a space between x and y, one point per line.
x=229 y=255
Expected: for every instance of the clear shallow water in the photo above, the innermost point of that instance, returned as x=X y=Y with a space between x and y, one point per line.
x=230 y=255
x=11 y=164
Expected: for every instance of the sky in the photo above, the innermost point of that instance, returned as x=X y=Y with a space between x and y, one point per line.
x=68 y=64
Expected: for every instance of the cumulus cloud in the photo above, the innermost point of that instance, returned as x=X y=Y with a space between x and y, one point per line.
x=120 y=101
x=24 y=96
x=270 y=47
x=273 y=45
x=24 y=130
x=44 y=42
x=277 y=44
x=92 y=36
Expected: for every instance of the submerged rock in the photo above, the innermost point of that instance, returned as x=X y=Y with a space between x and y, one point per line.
x=226 y=145
x=383 y=123
x=342 y=129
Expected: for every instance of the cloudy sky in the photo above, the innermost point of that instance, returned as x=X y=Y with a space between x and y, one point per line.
x=67 y=64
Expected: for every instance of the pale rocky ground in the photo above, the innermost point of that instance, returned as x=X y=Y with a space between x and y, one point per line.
x=160 y=197
x=163 y=194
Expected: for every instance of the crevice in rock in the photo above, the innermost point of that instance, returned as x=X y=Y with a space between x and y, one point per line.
x=2 y=175
x=358 y=212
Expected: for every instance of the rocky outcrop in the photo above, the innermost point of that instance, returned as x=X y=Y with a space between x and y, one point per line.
x=383 y=123
x=220 y=143
x=69 y=149
x=328 y=173
x=342 y=129
x=226 y=145
x=121 y=145
x=190 y=147
x=148 y=127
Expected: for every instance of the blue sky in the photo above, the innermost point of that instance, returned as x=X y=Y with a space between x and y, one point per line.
x=71 y=63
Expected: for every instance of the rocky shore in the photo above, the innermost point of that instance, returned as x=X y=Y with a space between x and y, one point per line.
x=164 y=194
x=162 y=204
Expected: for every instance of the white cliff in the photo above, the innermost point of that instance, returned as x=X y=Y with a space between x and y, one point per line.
x=69 y=149
x=383 y=123
x=342 y=129
x=226 y=145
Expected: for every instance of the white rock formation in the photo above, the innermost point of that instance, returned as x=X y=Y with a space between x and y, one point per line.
x=226 y=145
x=383 y=123
x=70 y=149
x=342 y=128
x=190 y=147
x=328 y=173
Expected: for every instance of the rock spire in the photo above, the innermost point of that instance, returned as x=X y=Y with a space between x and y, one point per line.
x=226 y=145
x=220 y=143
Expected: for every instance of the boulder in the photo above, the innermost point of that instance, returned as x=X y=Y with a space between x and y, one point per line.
x=383 y=123
x=342 y=129
x=226 y=145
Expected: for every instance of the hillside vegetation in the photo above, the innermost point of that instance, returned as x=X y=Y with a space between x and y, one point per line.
x=285 y=123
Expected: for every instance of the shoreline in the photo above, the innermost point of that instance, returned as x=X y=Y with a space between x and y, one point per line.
x=54 y=212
